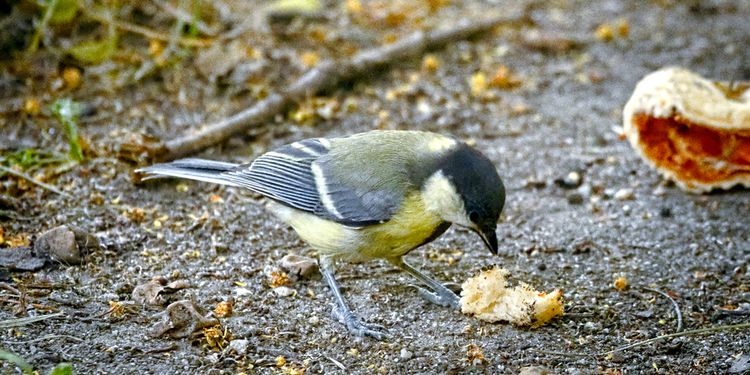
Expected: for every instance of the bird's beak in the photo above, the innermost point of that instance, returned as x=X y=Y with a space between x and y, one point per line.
x=489 y=237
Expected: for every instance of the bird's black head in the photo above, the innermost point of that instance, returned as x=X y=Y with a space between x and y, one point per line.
x=480 y=189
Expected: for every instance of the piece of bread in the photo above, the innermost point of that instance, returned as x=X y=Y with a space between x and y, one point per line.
x=694 y=131
x=488 y=297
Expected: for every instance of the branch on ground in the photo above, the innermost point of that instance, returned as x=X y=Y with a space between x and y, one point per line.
x=324 y=76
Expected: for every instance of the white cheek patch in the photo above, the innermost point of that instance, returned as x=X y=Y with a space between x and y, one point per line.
x=441 y=197
x=441 y=144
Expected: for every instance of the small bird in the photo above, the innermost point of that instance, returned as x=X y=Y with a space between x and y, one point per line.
x=372 y=195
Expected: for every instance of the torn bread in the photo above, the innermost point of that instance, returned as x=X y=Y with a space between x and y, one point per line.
x=694 y=131
x=488 y=297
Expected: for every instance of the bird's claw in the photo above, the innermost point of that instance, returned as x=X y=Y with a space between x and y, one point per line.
x=357 y=327
x=445 y=298
x=453 y=287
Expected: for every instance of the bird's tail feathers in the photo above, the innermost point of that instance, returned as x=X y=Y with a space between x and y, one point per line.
x=192 y=169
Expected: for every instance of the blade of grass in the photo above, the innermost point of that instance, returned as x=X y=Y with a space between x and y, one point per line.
x=33 y=181
x=31 y=159
x=42 y=27
x=66 y=111
x=16 y=360
x=62 y=369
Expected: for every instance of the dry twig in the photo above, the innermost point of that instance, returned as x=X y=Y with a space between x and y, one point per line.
x=337 y=363
x=674 y=303
x=325 y=75
x=677 y=334
x=46 y=337
x=137 y=29
x=33 y=180
x=700 y=331
x=10 y=323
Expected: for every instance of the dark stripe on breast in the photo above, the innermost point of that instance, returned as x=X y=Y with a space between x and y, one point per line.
x=437 y=233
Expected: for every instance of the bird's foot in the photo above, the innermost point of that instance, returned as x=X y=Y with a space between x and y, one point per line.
x=357 y=327
x=444 y=297
x=453 y=287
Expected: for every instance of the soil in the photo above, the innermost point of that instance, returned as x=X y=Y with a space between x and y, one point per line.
x=562 y=117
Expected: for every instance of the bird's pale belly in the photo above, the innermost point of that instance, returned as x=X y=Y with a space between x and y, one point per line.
x=412 y=226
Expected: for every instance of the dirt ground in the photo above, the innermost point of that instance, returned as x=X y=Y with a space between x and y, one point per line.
x=562 y=117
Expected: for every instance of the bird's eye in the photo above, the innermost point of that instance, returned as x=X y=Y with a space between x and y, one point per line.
x=474 y=216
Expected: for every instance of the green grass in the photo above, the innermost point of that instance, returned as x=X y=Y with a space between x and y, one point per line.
x=67 y=111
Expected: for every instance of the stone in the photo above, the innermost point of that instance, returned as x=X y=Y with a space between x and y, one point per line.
x=624 y=194
x=65 y=244
x=284 y=291
x=299 y=265
x=405 y=354
x=181 y=319
x=571 y=181
x=148 y=294
x=239 y=346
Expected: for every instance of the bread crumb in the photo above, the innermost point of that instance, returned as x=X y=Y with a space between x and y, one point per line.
x=488 y=297
x=621 y=283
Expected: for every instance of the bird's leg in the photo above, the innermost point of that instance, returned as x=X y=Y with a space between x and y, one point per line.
x=440 y=294
x=341 y=310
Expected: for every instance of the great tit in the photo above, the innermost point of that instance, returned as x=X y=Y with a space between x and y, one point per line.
x=373 y=195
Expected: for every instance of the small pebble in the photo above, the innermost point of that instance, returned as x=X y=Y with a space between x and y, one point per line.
x=405 y=354
x=65 y=244
x=239 y=346
x=314 y=320
x=592 y=326
x=243 y=292
x=299 y=265
x=624 y=194
x=645 y=314
x=570 y=181
x=573 y=179
x=284 y=291
x=149 y=293
x=181 y=319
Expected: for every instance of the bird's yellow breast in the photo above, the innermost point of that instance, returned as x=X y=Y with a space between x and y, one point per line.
x=410 y=227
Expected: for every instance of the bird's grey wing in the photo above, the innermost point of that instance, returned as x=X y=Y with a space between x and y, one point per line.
x=301 y=175
x=361 y=199
x=284 y=174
